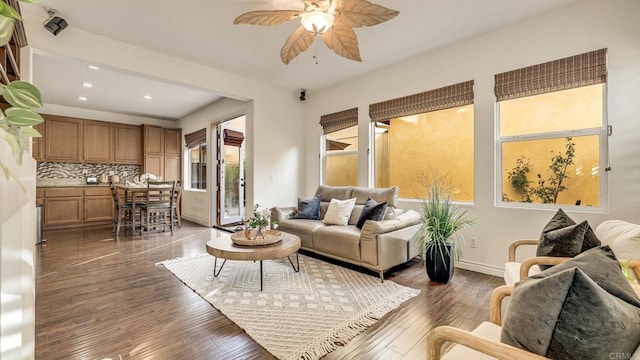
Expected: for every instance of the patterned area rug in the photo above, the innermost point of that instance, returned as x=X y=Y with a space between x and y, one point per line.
x=303 y=315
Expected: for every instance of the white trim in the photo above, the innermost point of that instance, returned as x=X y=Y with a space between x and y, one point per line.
x=480 y=267
x=202 y=222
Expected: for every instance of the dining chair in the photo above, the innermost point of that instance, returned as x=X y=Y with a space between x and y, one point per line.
x=158 y=209
x=124 y=211
x=177 y=218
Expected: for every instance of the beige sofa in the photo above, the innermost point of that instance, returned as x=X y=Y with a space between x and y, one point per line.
x=379 y=246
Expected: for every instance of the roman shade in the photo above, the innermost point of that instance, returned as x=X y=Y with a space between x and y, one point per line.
x=195 y=138
x=432 y=100
x=339 y=120
x=568 y=73
x=233 y=137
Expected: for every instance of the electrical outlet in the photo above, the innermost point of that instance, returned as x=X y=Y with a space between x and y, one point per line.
x=85 y=172
x=474 y=242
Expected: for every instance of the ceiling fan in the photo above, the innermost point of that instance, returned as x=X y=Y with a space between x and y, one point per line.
x=332 y=20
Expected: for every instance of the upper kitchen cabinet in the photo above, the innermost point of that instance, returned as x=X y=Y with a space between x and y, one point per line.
x=37 y=144
x=98 y=142
x=63 y=139
x=172 y=144
x=153 y=140
x=128 y=144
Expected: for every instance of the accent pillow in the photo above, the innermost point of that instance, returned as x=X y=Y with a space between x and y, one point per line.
x=561 y=219
x=583 y=308
x=371 y=211
x=308 y=209
x=339 y=211
x=563 y=242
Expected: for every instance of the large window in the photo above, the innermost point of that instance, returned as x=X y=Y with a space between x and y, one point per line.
x=552 y=132
x=196 y=143
x=432 y=135
x=340 y=148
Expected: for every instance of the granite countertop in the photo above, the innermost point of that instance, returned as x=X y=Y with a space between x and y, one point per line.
x=66 y=182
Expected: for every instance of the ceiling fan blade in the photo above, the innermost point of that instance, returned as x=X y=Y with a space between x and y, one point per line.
x=267 y=17
x=343 y=41
x=358 y=13
x=298 y=41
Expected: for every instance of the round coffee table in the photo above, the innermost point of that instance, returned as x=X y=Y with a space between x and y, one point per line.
x=222 y=247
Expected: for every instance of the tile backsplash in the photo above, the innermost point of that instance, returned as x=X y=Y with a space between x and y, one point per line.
x=62 y=170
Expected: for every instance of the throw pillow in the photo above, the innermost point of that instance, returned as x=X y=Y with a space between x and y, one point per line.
x=563 y=242
x=308 y=209
x=583 y=308
x=371 y=211
x=561 y=219
x=339 y=211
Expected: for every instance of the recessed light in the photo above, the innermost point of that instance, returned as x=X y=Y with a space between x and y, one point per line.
x=147 y=97
x=82 y=98
x=87 y=85
x=93 y=67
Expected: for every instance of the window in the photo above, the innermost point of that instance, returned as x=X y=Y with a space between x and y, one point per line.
x=196 y=143
x=340 y=148
x=552 y=132
x=428 y=134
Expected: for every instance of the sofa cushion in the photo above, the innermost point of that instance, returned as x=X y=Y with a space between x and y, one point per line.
x=562 y=242
x=339 y=211
x=308 y=209
x=341 y=241
x=327 y=193
x=355 y=214
x=301 y=227
x=388 y=195
x=623 y=237
x=583 y=308
x=371 y=211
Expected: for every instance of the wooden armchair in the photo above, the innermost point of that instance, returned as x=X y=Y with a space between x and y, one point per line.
x=481 y=343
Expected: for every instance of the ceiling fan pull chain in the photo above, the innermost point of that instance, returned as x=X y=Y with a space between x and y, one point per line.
x=315 y=50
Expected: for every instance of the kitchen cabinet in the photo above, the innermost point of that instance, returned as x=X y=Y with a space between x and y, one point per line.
x=153 y=140
x=37 y=143
x=98 y=205
x=98 y=142
x=63 y=139
x=153 y=164
x=128 y=144
x=172 y=167
x=162 y=152
x=172 y=143
x=63 y=206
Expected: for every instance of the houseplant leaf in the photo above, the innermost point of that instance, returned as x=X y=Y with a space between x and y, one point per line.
x=23 y=117
x=6 y=29
x=23 y=95
x=16 y=149
x=8 y=11
x=30 y=132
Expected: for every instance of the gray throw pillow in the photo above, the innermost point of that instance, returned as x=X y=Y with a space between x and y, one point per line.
x=581 y=309
x=563 y=242
x=371 y=211
x=560 y=220
x=308 y=209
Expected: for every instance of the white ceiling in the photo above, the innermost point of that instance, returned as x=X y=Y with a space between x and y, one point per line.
x=202 y=31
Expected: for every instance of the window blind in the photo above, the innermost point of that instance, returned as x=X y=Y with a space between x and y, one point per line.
x=196 y=138
x=339 y=120
x=233 y=137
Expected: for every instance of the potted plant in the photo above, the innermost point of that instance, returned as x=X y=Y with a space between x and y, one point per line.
x=438 y=237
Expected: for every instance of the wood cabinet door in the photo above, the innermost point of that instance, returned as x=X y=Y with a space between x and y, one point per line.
x=63 y=139
x=37 y=144
x=128 y=144
x=63 y=211
x=98 y=142
x=154 y=164
x=172 y=142
x=98 y=208
x=153 y=140
x=172 y=168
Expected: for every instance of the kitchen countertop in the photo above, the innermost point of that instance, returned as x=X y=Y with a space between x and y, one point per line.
x=66 y=182
x=70 y=185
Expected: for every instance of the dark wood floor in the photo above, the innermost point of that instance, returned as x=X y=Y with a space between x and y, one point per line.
x=98 y=297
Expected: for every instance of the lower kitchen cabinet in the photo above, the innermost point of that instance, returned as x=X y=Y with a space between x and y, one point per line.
x=77 y=206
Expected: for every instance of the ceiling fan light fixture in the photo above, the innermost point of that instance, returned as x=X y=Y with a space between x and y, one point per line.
x=317 y=21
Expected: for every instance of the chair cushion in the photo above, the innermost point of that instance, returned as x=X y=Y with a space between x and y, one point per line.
x=308 y=209
x=371 y=211
x=487 y=330
x=339 y=212
x=583 y=308
x=623 y=237
x=512 y=272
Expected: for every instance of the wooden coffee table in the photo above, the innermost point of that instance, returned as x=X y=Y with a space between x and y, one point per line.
x=222 y=247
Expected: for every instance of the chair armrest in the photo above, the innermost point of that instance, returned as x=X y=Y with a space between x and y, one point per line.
x=495 y=303
x=514 y=245
x=539 y=260
x=438 y=336
x=282 y=213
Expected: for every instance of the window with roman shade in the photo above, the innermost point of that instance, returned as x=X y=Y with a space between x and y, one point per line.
x=340 y=148
x=552 y=133
x=196 y=143
x=428 y=134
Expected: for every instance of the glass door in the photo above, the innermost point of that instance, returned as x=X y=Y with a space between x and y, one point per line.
x=231 y=171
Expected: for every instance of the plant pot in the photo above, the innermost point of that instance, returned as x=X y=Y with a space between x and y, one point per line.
x=439 y=264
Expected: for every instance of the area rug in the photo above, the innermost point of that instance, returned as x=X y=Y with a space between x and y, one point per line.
x=303 y=315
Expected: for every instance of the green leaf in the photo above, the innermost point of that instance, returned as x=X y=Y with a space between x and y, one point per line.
x=15 y=147
x=30 y=132
x=23 y=95
x=6 y=29
x=23 y=117
x=8 y=11
x=5 y=171
x=30 y=1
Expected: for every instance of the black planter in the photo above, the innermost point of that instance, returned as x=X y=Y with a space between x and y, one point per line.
x=439 y=264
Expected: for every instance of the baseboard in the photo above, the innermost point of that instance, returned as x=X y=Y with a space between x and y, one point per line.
x=194 y=220
x=480 y=267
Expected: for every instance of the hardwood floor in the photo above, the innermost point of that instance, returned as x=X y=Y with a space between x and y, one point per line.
x=99 y=297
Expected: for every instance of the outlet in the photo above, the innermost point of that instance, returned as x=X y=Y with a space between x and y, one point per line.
x=85 y=172
x=474 y=242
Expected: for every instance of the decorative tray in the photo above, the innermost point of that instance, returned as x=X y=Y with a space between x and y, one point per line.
x=270 y=237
